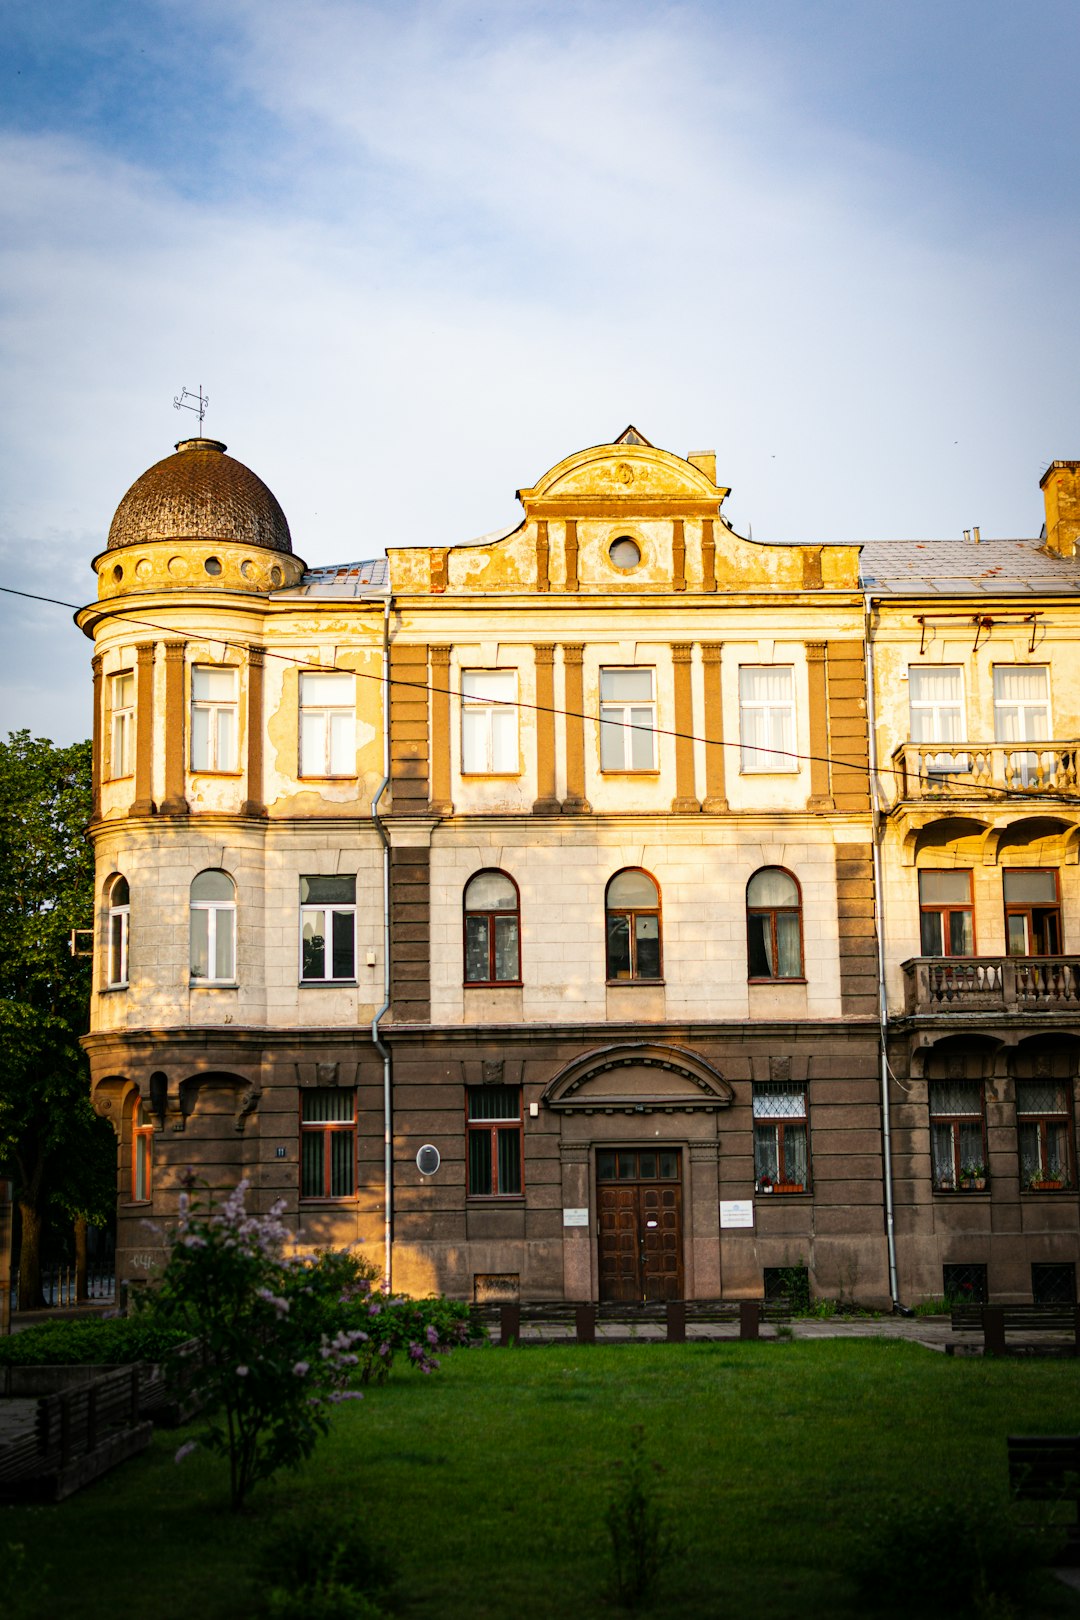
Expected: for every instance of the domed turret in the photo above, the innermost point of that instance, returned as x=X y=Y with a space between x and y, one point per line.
x=200 y=493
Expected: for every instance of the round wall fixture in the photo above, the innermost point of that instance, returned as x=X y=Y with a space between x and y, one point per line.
x=624 y=553
x=428 y=1160
x=212 y=565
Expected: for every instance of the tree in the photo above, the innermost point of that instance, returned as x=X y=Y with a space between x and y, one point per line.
x=50 y=1139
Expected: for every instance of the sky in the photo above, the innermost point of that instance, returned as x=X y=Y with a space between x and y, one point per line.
x=417 y=251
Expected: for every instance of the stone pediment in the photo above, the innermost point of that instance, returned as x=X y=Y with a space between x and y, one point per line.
x=638 y=1077
x=632 y=474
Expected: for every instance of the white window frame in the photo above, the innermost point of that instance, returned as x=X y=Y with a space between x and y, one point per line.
x=327 y=910
x=221 y=723
x=934 y=710
x=489 y=723
x=116 y=949
x=774 y=754
x=219 y=914
x=1023 y=706
x=122 y=724
x=627 y=725
x=327 y=728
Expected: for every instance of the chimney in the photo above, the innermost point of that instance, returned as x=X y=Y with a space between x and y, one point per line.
x=975 y=535
x=1060 y=484
x=704 y=461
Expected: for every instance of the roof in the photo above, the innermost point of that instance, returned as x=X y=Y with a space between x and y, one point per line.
x=345 y=579
x=964 y=568
x=200 y=493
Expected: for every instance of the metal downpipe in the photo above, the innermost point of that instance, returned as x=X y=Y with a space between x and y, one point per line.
x=380 y=1045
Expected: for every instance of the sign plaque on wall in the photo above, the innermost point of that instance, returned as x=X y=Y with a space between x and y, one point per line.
x=575 y=1217
x=736 y=1212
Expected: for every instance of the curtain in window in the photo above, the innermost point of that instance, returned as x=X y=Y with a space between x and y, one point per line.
x=937 y=704
x=941 y=1155
x=767 y=719
x=1021 y=703
x=795 y=1154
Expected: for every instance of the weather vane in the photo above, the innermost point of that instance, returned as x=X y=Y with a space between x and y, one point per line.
x=180 y=403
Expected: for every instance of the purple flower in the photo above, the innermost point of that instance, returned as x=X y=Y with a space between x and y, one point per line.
x=300 y=1369
x=242 y=1372
x=185 y=1450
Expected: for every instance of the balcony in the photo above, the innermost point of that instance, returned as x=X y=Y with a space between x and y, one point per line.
x=1002 y=984
x=965 y=770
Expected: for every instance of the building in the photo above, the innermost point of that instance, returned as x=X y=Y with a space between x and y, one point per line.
x=509 y=908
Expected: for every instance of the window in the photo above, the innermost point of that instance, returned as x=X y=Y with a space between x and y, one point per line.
x=936 y=698
x=633 y=926
x=122 y=705
x=142 y=1153
x=1053 y=1282
x=773 y=925
x=489 y=722
x=1044 y=1128
x=1032 y=912
x=494 y=1127
x=327 y=928
x=627 y=720
x=965 y=1284
x=1022 y=714
x=957 y=1136
x=780 y=1142
x=767 y=717
x=119 y=919
x=946 y=917
x=492 y=930
x=327 y=1142
x=213 y=718
x=213 y=928
x=787 y=1285
x=327 y=724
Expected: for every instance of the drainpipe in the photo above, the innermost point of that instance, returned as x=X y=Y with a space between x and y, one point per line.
x=879 y=929
x=380 y=1045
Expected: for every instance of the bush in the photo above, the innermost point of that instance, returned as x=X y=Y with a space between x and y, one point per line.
x=324 y=1570
x=104 y=1341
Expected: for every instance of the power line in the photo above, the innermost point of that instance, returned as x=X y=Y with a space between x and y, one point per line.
x=1006 y=795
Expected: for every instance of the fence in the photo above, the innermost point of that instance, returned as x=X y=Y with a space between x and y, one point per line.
x=59 y=1283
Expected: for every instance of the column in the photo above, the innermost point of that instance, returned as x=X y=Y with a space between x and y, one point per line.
x=685 y=799
x=575 y=801
x=543 y=580
x=571 y=554
x=254 y=805
x=143 y=803
x=820 y=796
x=441 y=801
x=547 y=802
x=678 y=555
x=175 y=802
x=708 y=556
x=715 y=791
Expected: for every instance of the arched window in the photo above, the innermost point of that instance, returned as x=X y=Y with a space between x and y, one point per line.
x=773 y=925
x=142 y=1154
x=119 y=898
x=492 y=930
x=213 y=928
x=633 y=926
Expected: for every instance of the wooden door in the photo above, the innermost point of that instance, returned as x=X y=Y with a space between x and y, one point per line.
x=640 y=1246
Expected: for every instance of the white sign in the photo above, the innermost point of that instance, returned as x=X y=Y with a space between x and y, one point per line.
x=575 y=1217
x=736 y=1212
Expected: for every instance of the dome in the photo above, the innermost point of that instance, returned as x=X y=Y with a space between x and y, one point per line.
x=200 y=493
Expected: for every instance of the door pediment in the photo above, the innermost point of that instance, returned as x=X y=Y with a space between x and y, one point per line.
x=638 y=1077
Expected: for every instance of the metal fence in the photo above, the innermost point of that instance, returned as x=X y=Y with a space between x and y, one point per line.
x=58 y=1283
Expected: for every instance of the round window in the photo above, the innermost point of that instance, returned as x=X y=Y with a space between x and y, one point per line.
x=624 y=553
x=212 y=565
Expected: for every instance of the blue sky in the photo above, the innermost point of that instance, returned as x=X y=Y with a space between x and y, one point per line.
x=416 y=253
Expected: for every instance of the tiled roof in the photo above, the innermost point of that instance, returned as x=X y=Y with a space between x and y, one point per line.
x=962 y=568
x=345 y=579
x=200 y=493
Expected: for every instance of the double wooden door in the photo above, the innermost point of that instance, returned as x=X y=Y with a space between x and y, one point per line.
x=640 y=1236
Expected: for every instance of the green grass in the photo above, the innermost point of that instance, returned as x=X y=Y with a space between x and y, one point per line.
x=486 y=1484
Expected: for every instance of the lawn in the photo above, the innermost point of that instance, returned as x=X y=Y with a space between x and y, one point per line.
x=487 y=1483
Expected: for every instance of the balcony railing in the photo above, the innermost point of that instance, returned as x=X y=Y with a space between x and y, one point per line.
x=1035 y=984
x=964 y=770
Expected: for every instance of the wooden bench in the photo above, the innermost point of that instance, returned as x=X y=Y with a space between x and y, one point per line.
x=578 y=1322
x=1046 y=1468
x=995 y=1321
x=78 y=1434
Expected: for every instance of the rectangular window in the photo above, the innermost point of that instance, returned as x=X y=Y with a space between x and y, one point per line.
x=119 y=919
x=1022 y=714
x=327 y=1143
x=1053 y=1282
x=936 y=699
x=767 y=717
x=947 y=918
x=627 y=720
x=327 y=928
x=1032 y=912
x=142 y=1156
x=494 y=1129
x=781 y=1160
x=957 y=1136
x=213 y=718
x=327 y=724
x=122 y=734
x=965 y=1284
x=1044 y=1129
x=489 y=722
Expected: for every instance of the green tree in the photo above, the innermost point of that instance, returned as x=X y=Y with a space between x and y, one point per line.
x=58 y=1151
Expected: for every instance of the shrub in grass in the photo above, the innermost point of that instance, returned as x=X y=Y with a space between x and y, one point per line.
x=957 y=1556
x=324 y=1569
x=104 y=1341
x=641 y=1544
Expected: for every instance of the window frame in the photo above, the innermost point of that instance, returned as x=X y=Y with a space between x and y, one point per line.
x=214 y=708
x=492 y=917
x=117 y=922
x=1023 y=761
x=486 y=707
x=785 y=1183
x=933 y=709
x=772 y=912
x=1044 y=1120
x=326 y=1130
x=493 y=1128
x=214 y=911
x=142 y=1157
x=328 y=908
x=326 y=713
x=121 y=728
x=632 y=913
x=954 y=1121
x=1026 y=908
x=617 y=713
x=945 y=910
x=777 y=756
